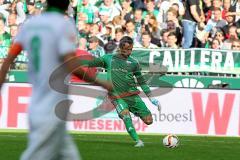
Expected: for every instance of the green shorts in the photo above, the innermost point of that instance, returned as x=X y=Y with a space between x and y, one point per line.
x=134 y=104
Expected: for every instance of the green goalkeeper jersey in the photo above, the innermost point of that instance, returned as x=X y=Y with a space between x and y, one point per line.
x=122 y=73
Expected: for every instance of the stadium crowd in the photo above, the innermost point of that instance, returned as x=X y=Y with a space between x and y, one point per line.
x=213 y=24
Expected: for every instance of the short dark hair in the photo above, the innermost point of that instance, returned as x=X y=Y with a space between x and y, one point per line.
x=124 y=40
x=137 y=9
x=93 y=39
x=147 y=1
x=110 y=47
x=164 y=31
x=60 y=4
x=146 y=33
x=217 y=9
x=130 y=21
x=117 y=30
x=172 y=34
x=215 y=39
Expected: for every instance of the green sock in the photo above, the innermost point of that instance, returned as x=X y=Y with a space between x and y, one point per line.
x=130 y=128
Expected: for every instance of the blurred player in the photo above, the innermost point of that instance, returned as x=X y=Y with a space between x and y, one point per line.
x=49 y=40
x=121 y=70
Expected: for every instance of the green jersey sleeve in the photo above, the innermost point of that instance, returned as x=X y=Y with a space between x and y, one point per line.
x=96 y=62
x=141 y=80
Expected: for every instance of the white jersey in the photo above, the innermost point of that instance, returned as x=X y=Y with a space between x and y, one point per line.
x=46 y=38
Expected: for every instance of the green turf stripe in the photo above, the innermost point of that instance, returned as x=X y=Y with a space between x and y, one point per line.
x=14 y=130
x=112 y=133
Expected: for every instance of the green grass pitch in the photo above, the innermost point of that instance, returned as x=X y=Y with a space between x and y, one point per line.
x=120 y=147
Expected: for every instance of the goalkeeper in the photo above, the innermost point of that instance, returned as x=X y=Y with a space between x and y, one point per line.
x=121 y=70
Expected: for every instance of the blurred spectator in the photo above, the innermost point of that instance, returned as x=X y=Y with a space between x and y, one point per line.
x=227 y=9
x=138 y=4
x=110 y=47
x=117 y=22
x=232 y=33
x=207 y=5
x=151 y=26
x=112 y=9
x=71 y=11
x=4 y=36
x=145 y=42
x=82 y=44
x=166 y=4
x=236 y=9
x=21 y=61
x=30 y=7
x=193 y=15
x=118 y=35
x=87 y=10
x=220 y=37
x=109 y=34
x=215 y=4
x=103 y=21
x=230 y=22
x=163 y=20
x=4 y=7
x=11 y=20
x=238 y=27
x=83 y=29
x=94 y=30
x=172 y=27
x=130 y=31
x=164 y=37
x=232 y=36
x=236 y=45
x=126 y=10
x=150 y=4
x=21 y=16
x=216 y=44
x=172 y=15
x=43 y=3
x=176 y=7
x=12 y=7
x=172 y=41
x=215 y=23
x=38 y=7
x=138 y=20
x=81 y=17
x=87 y=28
x=94 y=48
x=201 y=37
x=13 y=31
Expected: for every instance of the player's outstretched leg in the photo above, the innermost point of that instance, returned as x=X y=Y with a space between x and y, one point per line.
x=125 y=115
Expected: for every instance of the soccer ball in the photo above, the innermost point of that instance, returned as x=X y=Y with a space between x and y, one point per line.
x=170 y=141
